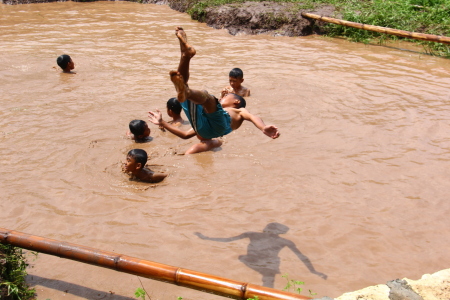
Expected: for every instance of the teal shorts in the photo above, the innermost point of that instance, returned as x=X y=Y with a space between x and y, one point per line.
x=206 y=125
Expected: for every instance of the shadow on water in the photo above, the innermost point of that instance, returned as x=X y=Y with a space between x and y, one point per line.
x=73 y=289
x=263 y=250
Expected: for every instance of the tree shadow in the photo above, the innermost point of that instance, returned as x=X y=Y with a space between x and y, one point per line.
x=263 y=251
x=73 y=289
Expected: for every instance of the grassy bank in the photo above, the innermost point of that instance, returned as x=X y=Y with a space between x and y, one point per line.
x=12 y=274
x=424 y=16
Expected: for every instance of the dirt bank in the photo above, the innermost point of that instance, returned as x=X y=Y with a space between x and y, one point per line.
x=257 y=17
x=249 y=17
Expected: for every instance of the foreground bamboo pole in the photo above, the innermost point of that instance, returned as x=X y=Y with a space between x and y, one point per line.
x=144 y=268
x=402 y=33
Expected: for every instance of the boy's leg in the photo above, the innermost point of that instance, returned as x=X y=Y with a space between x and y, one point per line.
x=180 y=78
x=187 y=52
x=204 y=145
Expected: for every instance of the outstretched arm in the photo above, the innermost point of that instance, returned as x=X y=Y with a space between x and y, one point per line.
x=155 y=177
x=238 y=237
x=306 y=261
x=269 y=130
x=156 y=118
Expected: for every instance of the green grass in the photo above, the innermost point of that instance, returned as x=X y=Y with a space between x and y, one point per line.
x=12 y=274
x=423 y=16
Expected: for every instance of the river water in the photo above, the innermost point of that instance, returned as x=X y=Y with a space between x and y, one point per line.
x=357 y=182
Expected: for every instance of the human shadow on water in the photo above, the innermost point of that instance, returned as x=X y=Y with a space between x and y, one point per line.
x=73 y=289
x=263 y=249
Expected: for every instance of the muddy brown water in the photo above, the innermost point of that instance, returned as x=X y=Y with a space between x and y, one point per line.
x=357 y=183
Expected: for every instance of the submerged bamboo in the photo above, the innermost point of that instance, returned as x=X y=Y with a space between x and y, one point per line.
x=402 y=33
x=144 y=268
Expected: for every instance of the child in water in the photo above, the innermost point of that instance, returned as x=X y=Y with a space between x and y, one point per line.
x=139 y=131
x=236 y=78
x=135 y=166
x=174 y=111
x=66 y=63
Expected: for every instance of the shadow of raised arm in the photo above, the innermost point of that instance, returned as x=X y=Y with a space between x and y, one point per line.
x=230 y=239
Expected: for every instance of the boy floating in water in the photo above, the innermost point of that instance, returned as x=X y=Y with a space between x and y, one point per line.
x=209 y=118
x=66 y=63
x=139 y=131
x=135 y=166
x=236 y=78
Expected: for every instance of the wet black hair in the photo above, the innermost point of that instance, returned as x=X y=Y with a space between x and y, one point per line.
x=174 y=105
x=137 y=127
x=63 y=60
x=237 y=73
x=242 y=102
x=139 y=155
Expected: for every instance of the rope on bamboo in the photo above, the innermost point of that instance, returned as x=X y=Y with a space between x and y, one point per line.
x=402 y=33
x=148 y=269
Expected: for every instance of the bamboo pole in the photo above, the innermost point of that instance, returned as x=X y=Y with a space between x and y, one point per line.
x=144 y=268
x=402 y=33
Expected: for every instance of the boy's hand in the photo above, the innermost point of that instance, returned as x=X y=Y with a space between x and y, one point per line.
x=155 y=117
x=271 y=131
x=226 y=91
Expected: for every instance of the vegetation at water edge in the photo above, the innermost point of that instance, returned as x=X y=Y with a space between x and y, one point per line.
x=12 y=274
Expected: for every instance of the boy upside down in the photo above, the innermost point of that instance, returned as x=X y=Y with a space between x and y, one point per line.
x=209 y=117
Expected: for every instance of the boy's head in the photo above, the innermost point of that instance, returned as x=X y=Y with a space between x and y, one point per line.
x=173 y=106
x=65 y=62
x=136 y=160
x=139 y=129
x=233 y=100
x=236 y=77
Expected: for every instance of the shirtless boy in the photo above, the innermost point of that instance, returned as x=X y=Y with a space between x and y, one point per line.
x=135 y=166
x=209 y=118
x=236 y=78
x=174 y=111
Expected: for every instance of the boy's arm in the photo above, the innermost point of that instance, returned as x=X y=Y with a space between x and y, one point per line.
x=156 y=118
x=148 y=175
x=156 y=177
x=269 y=130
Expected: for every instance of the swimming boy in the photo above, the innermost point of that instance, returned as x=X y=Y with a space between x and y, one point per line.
x=209 y=118
x=135 y=165
x=139 y=130
x=66 y=63
x=236 y=78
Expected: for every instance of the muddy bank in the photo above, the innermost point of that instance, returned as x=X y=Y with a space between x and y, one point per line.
x=260 y=17
x=273 y=18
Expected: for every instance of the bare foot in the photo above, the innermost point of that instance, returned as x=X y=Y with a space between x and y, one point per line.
x=186 y=49
x=178 y=82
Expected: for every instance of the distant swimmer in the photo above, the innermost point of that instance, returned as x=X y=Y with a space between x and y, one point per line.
x=209 y=118
x=66 y=63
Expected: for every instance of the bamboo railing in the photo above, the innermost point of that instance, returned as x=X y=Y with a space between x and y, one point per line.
x=402 y=33
x=144 y=268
